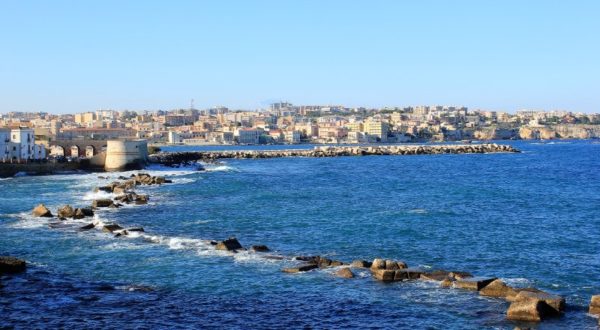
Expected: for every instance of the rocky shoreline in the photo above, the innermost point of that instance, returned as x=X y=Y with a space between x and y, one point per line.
x=525 y=304
x=172 y=158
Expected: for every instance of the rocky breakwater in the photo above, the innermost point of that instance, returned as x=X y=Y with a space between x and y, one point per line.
x=172 y=158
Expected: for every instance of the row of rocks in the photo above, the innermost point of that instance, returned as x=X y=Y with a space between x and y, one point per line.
x=171 y=158
x=63 y=212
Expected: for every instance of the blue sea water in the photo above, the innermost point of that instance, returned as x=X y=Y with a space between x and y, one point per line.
x=531 y=219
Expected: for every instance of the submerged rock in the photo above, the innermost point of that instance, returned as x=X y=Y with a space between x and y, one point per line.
x=11 y=265
x=230 y=244
x=42 y=211
x=87 y=227
x=109 y=228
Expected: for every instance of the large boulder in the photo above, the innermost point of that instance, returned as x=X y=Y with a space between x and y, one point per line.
x=344 y=273
x=378 y=264
x=555 y=302
x=42 y=211
x=141 y=199
x=473 y=283
x=436 y=275
x=527 y=311
x=87 y=227
x=407 y=274
x=66 y=211
x=112 y=227
x=595 y=305
x=383 y=275
x=497 y=288
x=102 y=203
x=10 y=265
x=230 y=244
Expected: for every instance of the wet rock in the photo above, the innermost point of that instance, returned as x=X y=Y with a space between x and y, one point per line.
x=159 y=180
x=384 y=274
x=11 y=265
x=120 y=190
x=344 y=273
x=595 y=305
x=87 y=227
x=42 y=211
x=230 y=244
x=324 y=262
x=78 y=214
x=447 y=283
x=104 y=188
x=260 y=248
x=109 y=228
x=65 y=212
x=336 y=263
x=473 y=283
x=102 y=203
x=391 y=265
x=497 y=288
x=310 y=259
x=301 y=268
x=407 y=274
x=360 y=264
x=87 y=211
x=555 y=302
x=135 y=229
x=273 y=257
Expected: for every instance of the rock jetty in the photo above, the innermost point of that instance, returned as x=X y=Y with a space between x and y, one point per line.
x=171 y=158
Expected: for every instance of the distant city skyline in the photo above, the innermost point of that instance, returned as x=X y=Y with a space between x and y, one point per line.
x=68 y=57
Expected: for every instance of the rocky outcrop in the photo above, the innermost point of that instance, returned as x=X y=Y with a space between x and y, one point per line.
x=11 y=265
x=110 y=228
x=534 y=306
x=42 y=211
x=360 y=264
x=87 y=227
x=230 y=244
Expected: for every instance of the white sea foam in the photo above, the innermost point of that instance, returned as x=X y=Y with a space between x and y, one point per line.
x=418 y=211
x=220 y=168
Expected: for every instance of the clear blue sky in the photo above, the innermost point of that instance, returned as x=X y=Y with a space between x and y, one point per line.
x=70 y=56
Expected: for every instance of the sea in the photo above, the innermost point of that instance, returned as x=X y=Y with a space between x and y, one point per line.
x=531 y=219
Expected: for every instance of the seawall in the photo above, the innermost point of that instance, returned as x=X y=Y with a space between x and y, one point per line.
x=330 y=151
x=43 y=168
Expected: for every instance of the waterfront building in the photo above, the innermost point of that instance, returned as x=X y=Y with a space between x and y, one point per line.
x=247 y=136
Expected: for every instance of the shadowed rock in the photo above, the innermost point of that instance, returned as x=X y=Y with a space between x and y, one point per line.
x=102 y=203
x=555 y=302
x=65 y=212
x=230 y=244
x=87 y=227
x=407 y=274
x=260 y=248
x=11 y=265
x=109 y=228
x=42 y=211
x=497 y=288
x=360 y=264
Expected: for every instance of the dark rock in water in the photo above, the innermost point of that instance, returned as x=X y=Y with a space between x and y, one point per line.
x=87 y=211
x=498 y=289
x=123 y=177
x=104 y=188
x=324 y=262
x=230 y=244
x=11 y=265
x=260 y=248
x=109 y=228
x=57 y=225
x=87 y=227
x=272 y=257
x=595 y=305
x=301 y=268
x=42 y=211
x=115 y=206
x=170 y=181
x=407 y=274
x=102 y=203
x=78 y=214
x=135 y=229
x=214 y=242
x=360 y=264
x=344 y=273
x=65 y=212
x=473 y=283
x=336 y=263
x=311 y=259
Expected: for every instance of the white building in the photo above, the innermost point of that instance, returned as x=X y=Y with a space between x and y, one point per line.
x=19 y=144
x=247 y=136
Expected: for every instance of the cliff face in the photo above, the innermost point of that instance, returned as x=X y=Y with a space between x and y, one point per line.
x=560 y=131
x=494 y=134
